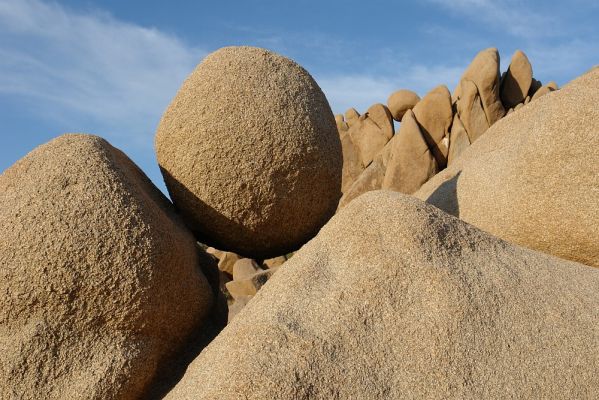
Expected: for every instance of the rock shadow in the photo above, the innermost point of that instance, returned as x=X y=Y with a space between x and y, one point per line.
x=445 y=197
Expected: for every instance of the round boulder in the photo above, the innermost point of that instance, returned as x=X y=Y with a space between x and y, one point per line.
x=401 y=101
x=250 y=153
x=100 y=280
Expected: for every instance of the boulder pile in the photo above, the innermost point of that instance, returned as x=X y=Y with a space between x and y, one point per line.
x=439 y=128
x=272 y=274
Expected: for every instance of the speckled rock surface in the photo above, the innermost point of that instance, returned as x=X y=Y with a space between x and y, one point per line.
x=484 y=72
x=533 y=178
x=250 y=153
x=397 y=299
x=100 y=280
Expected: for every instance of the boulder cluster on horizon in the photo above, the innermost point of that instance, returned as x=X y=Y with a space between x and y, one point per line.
x=304 y=255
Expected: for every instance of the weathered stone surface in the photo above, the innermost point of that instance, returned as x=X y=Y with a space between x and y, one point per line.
x=543 y=90
x=352 y=165
x=381 y=116
x=245 y=268
x=100 y=280
x=470 y=110
x=458 y=140
x=250 y=153
x=434 y=115
x=532 y=179
x=395 y=299
x=275 y=262
x=368 y=138
x=484 y=72
x=534 y=86
x=341 y=124
x=517 y=81
x=250 y=285
x=351 y=116
x=372 y=178
x=226 y=261
x=411 y=163
x=401 y=101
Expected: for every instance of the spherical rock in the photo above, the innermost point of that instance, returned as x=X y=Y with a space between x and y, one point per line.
x=100 y=280
x=250 y=153
x=401 y=101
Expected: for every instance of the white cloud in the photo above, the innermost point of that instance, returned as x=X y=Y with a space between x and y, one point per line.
x=509 y=16
x=361 y=91
x=90 y=67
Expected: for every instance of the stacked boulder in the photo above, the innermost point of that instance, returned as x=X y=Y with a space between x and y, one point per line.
x=434 y=130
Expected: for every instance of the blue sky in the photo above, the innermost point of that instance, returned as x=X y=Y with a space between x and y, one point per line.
x=111 y=67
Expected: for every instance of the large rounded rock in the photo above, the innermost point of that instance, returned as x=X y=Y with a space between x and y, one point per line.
x=533 y=177
x=250 y=153
x=395 y=299
x=100 y=280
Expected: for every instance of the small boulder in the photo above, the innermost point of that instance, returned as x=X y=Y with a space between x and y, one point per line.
x=434 y=115
x=484 y=72
x=401 y=101
x=411 y=162
x=245 y=268
x=517 y=81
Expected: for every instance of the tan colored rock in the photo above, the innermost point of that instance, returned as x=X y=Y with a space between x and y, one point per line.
x=532 y=179
x=395 y=299
x=458 y=140
x=351 y=116
x=250 y=285
x=527 y=100
x=245 y=268
x=553 y=85
x=381 y=116
x=484 y=72
x=100 y=279
x=368 y=138
x=352 y=165
x=517 y=81
x=250 y=153
x=543 y=90
x=227 y=261
x=275 y=262
x=371 y=179
x=411 y=163
x=534 y=86
x=434 y=114
x=470 y=110
x=401 y=101
x=238 y=305
x=341 y=124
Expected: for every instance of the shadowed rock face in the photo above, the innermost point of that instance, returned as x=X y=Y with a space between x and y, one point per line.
x=533 y=177
x=397 y=299
x=100 y=280
x=250 y=153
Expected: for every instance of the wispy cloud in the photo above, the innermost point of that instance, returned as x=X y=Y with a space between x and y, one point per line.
x=510 y=16
x=362 y=90
x=90 y=67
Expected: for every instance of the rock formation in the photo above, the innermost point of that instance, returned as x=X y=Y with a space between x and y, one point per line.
x=532 y=179
x=397 y=299
x=250 y=153
x=447 y=124
x=100 y=279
